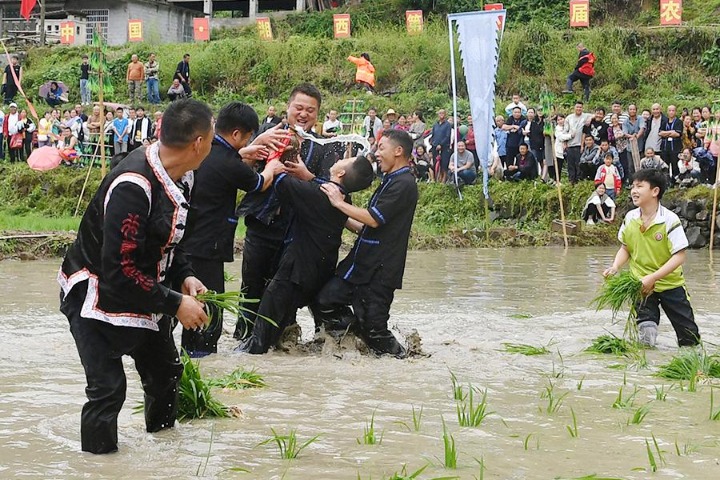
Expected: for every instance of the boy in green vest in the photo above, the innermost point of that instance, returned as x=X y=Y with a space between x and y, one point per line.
x=654 y=242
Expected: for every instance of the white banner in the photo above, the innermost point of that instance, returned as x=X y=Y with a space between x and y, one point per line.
x=479 y=35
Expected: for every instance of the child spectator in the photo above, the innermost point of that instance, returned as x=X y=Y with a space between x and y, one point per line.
x=654 y=242
x=652 y=161
x=599 y=207
x=608 y=175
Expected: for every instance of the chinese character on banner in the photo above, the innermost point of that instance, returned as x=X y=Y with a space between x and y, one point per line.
x=579 y=13
x=135 y=33
x=264 y=28
x=67 y=33
x=201 y=29
x=414 y=22
x=670 y=12
x=341 y=25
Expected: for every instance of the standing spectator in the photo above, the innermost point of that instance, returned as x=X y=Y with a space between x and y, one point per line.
x=670 y=133
x=176 y=91
x=535 y=129
x=712 y=144
x=270 y=117
x=634 y=129
x=372 y=124
x=182 y=73
x=561 y=139
x=599 y=207
x=523 y=166
x=85 y=97
x=9 y=85
x=516 y=102
x=441 y=132
x=332 y=126
x=470 y=142
x=607 y=174
x=653 y=127
x=3 y=135
x=515 y=126
x=80 y=110
x=597 y=128
x=501 y=136
x=140 y=130
x=417 y=127
x=365 y=72
x=109 y=133
x=574 y=126
x=152 y=80
x=135 y=78
x=465 y=165
x=13 y=134
x=28 y=128
x=95 y=122
x=621 y=145
x=120 y=129
x=44 y=130
x=584 y=71
x=616 y=109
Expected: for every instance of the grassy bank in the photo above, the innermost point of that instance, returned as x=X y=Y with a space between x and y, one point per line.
x=634 y=62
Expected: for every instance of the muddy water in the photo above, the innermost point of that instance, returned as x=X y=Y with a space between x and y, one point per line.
x=465 y=304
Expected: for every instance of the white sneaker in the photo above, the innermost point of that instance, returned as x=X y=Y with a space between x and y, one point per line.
x=647 y=333
x=590 y=222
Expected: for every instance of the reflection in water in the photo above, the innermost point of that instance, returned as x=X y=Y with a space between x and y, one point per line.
x=464 y=303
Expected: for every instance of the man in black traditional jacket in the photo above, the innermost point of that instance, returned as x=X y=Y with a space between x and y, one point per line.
x=115 y=279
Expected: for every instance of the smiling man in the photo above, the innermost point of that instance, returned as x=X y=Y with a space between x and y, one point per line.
x=266 y=222
x=368 y=277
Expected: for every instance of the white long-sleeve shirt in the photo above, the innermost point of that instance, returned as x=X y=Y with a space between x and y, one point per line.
x=561 y=136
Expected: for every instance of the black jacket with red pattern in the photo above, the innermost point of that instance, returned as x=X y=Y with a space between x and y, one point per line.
x=127 y=246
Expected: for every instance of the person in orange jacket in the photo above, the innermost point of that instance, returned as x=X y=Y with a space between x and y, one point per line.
x=365 y=74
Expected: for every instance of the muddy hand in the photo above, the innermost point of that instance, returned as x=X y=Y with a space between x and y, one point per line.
x=191 y=313
x=193 y=287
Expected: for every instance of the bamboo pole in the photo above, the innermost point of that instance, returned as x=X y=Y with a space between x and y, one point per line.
x=82 y=192
x=714 y=211
x=559 y=189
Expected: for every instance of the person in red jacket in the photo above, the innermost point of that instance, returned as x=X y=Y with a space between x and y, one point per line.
x=584 y=71
x=365 y=74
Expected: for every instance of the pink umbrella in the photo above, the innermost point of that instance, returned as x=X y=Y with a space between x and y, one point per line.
x=44 y=158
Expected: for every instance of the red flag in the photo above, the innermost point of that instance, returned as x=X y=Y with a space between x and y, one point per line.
x=26 y=6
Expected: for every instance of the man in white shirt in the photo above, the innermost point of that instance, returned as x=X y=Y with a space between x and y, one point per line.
x=654 y=124
x=617 y=110
x=332 y=127
x=516 y=103
x=10 y=128
x=271 y=116
x=372 y=124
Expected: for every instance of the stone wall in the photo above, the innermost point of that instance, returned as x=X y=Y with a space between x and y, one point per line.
x=695 y=216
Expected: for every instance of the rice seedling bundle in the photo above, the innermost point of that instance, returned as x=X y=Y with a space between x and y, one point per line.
x=610 y=344
x=619 y=291
x=233 y=302
x=691 y=364
x=238 y=379
x=196 y=400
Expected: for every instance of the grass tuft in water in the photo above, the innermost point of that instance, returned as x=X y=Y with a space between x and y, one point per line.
x=573 y=429
x=369 y=437
x=639 y=415
x=654 y=455
x=554 y=400
x=287 y=445
x=714 y=415
x=661 y=392
x=238 y=379
x=196 y=400
x=524 y=349
x=450 y=450
x=526 y=442
x=611 y=345
x=233 y=302
x=416 y=419
x=470 y=413
x=625 y=402
x=404 y=475
x=458 y=393
x=693 y=365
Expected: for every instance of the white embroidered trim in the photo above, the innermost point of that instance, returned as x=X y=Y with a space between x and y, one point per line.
x=134 y=178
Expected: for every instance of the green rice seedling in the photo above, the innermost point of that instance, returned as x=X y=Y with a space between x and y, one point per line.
x=229 y=278
x=481 y=464
x=623 y=290
x=238 y=379
x=661 y=392
x=233 y=302
x=639 y=415
x=714 y=415
x=404 y=475
x=450 y=450
x=458 y=392
x=524 y=349
x=369 y=437
x=195 y=399
x=573 y=429
x=594 y=476
x=469 y=413
x=526 y=442
x=689 y=448
x=692 y=365
x=416 y=420
x=652 y=452
x=521 y=316
x=611 y=345
x=203 y=465
x=287 y=445
x=625 y=402
x=554 y=401
x=580 y=383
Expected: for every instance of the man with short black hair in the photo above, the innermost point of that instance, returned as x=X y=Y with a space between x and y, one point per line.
x=597 y=128
x=616 y=109
x=266 y=222
x=117 y=278
x=211 y=241
x=368 y=277
x=85 y=97
x=574 y=126
x=182 y=74
x=140 y=130
x=310 y=255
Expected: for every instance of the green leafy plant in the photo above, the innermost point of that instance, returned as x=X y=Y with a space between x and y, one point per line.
x=654 y=455
x=661 y=392
x=449 y=448
x=369 y=437
x=625 y=402
x=457 y=389
x=526 y=442
x=573 y=428
x=195 y=399
x=287 y=445
x=639 y=415
x=238 y=379
x=711 y=60
x=714 y=415
x=554 y=401
x=470 y=413
x=233 y=302
x=611 y=345
x=693 y=365
x=524 y=349
x=416 y=419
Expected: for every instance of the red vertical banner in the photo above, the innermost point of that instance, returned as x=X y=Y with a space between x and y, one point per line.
x=67 y=33
x=135 y=30
x=579 y=13
x=341 y=25
x=496 y=6
x=201 y=29
x=264 y=28
x=414 y=22
x=670 y=12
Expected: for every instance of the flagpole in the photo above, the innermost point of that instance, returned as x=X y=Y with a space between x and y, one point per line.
x=454 y=92
x=715 y=191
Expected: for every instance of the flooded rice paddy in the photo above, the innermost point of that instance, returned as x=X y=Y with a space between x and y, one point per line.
x=465 y=304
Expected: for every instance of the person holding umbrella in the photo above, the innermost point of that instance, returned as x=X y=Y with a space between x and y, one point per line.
x=52 y=94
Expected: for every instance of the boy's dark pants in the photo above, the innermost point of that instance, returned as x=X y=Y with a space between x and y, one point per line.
x=101 y=347
x=371 y=305
x=677 y=307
